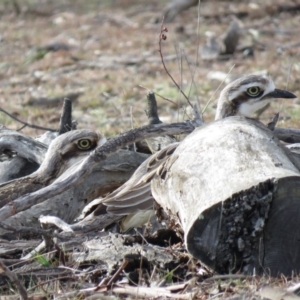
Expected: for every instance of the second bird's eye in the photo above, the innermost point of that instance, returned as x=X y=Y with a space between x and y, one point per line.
x=253 y=91
x=84 y=144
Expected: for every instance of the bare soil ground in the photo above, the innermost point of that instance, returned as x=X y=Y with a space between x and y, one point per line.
x=106 y=58
x=108 y=50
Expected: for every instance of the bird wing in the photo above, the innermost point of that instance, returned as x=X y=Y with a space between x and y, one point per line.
x=136 y=194
x=160 y=142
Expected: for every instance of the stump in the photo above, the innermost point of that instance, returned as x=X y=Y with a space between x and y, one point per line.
x=236 y=191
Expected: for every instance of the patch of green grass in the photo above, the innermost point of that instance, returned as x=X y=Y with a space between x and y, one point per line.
x=42 y=260
x=169 y=276
x=34 y=55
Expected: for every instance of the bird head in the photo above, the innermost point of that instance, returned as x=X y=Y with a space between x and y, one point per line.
x=247 y=95
x=70 y=148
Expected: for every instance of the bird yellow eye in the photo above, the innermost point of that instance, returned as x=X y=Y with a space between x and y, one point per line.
x=84 y=144
x=253 y=91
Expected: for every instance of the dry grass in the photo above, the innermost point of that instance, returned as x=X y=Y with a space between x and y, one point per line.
x=114 y=51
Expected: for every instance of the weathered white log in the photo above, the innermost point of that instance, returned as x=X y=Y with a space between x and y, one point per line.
x=105 y=177
x=16 y=167
x=23 y=145
x=288 y=135
x=47 y=137
x=28 y=154
x=236 y=191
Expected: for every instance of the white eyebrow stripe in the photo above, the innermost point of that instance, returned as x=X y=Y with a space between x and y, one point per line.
x=248 y=85
x=269 y=87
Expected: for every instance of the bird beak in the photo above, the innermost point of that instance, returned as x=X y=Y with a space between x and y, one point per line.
x=281 y=94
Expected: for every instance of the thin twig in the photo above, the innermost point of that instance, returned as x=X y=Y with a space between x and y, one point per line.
x=118 y=272
x=25 y=123
x=167 y=99
x=131 y=123
x=49 y=281
x=198 y=37
x=163 y=37
x=217 y=89
x=287 y=84
x=193 y=73
x=14 y=279
x=227 y=276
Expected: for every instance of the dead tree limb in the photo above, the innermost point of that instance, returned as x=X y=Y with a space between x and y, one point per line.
x=24 y=146
x=151 y=111
x=65 y=123
x=288 y=135
x=86 y=167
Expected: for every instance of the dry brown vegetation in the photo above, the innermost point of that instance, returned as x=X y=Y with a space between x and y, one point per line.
x=111 y=49
x=109 y=57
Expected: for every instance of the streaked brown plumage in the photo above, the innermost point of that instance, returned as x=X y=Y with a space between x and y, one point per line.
x=64 y=151
x=134 y=197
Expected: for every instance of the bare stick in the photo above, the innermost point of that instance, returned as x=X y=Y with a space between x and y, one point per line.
x=151 y=111
x=169 y=100
x=163 y=37
x=25 y=123
x=272 y=124
x=217 y=89
x=65 y=123
x=153 y=292
x=48 y=281
x=228 y=276
x=46 y=220
x=14 y=279
x=131 y=121
x=118 y=272
x=34 y=230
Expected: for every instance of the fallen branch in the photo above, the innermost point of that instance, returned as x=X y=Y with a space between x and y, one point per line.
x=87 y=165
x=288 y=135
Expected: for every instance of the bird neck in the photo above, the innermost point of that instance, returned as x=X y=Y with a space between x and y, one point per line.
x=50 y=168
x=225 y=109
